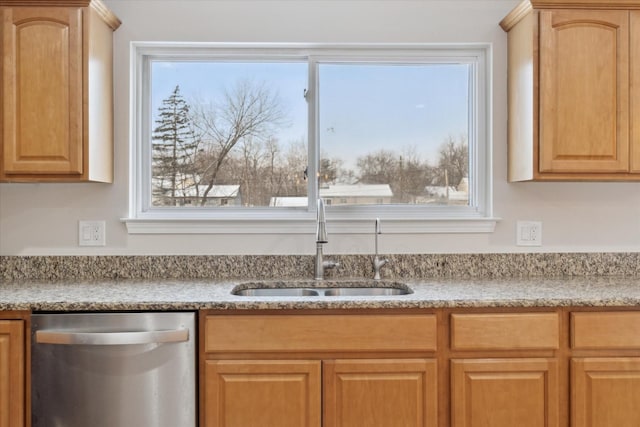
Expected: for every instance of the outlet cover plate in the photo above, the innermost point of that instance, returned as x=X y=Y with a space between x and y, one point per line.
x=529 y=233
x=91 y=233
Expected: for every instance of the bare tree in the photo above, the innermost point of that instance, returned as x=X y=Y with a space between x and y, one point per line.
x=328 y=170
x=248 y=110
x=411 y=177
x=284 y=171
x=252 y=158
x=274 y=173
x=378 y=167
x=453 y=162
x=295 y=165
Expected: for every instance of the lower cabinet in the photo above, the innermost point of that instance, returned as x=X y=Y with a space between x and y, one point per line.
x=263 y=393
x=556 y=367
x=605 y=369
x=312 y=370
x=12 y=373
x=504 y=393
x=311 y=393
x=605 y=392
x=508 y=386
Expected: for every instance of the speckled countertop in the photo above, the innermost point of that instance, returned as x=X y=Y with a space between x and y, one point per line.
x=78 y=283
x=193 y=294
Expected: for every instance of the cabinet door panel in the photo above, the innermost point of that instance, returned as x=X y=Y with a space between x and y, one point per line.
x=12 y=372
x=584 y=91
x=380 y=393
x=635 y=91
x=42 y=90
x=262 y=393
x=504 y=393
x=605 y=392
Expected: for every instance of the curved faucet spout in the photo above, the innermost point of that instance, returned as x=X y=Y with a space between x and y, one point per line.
x=321 y=238
x=321 y=223
x=378 y=262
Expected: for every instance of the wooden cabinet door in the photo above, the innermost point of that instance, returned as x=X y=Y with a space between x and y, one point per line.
x=242 y=393
x=380 y=393
x=605 y=392
x=635 y=91
x=42 y=80
x=584 y=91
x=12 y=374
x=504 y=393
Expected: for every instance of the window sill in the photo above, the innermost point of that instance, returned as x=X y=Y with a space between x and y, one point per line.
x=306 y=226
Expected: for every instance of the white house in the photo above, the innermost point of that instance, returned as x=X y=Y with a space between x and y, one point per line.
x=342 y=194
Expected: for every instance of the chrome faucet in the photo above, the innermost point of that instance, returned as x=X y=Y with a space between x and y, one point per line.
x=378 y=262
x=321 y=239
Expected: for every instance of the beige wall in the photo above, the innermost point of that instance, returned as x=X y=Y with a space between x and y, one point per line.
x=42 y=219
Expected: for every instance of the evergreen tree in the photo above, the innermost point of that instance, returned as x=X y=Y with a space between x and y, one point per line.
x=173 y=151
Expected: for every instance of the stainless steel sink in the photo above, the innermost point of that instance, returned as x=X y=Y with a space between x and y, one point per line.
x=276 y=292
x=357 y=292
x=338 y=288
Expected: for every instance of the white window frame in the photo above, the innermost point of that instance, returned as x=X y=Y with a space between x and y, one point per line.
x=475 y=218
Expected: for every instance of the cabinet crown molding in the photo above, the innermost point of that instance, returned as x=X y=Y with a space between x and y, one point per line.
x=519 y=12
x=527 y=5
x=585 y=4
x=103 y=11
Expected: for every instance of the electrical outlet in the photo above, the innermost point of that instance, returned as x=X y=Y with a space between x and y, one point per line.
x=529 y=233
x=91 y=233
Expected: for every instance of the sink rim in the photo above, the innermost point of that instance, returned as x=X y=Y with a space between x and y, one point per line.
x=362 y=291
x=309 y=288
x=275 y=292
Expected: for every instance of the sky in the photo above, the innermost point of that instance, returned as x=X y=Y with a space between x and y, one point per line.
x=362 y=109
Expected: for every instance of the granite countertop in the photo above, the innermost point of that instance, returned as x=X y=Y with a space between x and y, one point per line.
x=194 y=294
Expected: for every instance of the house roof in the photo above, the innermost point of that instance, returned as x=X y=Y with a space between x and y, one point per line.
x=288 y=201
x=449 y=192
x=217 y=191
x=356 y=190
x=340 y=190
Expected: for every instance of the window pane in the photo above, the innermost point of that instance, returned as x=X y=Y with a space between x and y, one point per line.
x=394 y=133
x=228 y=134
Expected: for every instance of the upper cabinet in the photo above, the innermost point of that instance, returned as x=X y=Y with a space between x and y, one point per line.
x=57 y=91
x=574 y=95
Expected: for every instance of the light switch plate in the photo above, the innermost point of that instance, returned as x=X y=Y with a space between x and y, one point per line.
x=91 y=233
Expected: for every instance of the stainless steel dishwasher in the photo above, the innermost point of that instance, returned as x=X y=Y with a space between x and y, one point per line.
x=113 y=370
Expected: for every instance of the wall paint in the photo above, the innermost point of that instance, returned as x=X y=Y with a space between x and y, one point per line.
x=42 y=219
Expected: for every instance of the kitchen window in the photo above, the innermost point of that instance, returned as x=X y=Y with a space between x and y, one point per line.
x=232 y=138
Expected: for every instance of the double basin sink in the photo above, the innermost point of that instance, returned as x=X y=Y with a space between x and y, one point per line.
x=356 y=288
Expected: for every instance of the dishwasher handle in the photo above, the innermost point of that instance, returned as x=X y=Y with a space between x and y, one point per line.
x=66 y=337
